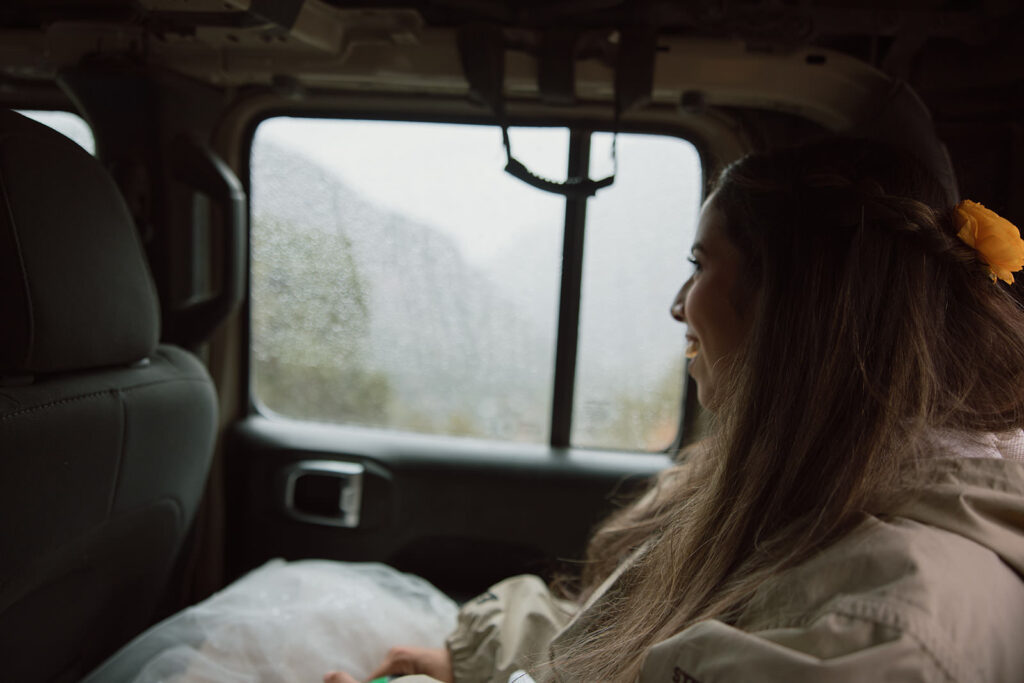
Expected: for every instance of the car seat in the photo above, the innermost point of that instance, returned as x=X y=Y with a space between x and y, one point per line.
x=105 y=435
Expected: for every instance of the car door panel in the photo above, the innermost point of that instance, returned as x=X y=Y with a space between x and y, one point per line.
x=462 y=513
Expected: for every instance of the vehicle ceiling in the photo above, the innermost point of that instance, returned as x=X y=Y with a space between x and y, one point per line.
x=959 y=54
x=964 y=58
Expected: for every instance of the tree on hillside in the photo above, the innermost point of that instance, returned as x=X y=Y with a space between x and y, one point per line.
x=310 y=325
x=647 y=420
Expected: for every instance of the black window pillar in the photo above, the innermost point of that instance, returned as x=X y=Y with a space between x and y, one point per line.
x=569 y=300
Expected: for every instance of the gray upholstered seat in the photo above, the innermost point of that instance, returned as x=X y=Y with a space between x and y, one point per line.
x=105 y=436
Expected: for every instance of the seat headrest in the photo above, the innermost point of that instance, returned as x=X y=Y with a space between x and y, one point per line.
x=75 y=288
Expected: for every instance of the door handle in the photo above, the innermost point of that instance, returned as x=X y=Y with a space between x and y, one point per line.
x=324 y=492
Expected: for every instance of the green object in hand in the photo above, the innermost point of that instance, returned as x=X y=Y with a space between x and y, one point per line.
x=382 y=679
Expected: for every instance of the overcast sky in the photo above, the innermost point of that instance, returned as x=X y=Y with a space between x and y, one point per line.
x=455 y=180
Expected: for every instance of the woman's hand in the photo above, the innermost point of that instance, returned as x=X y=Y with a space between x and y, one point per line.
x=403 y=661
x=415 y=660
x=338 y=677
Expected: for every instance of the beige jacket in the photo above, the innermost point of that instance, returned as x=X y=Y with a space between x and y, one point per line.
x=933 y=591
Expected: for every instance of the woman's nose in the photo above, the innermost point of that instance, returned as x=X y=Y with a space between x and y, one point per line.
x=678 y=308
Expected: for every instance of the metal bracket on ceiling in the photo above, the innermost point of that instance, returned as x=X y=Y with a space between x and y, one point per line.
x=287 y=24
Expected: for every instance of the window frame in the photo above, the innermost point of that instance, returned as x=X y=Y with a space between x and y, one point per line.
x=570 y=286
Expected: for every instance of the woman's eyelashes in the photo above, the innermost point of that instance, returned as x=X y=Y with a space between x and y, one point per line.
x=696 y=263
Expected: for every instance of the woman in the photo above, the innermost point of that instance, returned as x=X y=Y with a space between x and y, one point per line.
x=858 y=512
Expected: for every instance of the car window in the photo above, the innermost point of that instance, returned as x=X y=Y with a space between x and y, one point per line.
x=630 y=366
x=66 y=123
x=401 y=280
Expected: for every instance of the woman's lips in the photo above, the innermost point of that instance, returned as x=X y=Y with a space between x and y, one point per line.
x=692 y=347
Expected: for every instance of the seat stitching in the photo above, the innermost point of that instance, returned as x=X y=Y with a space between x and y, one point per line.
x=83 y=397
x=12 y=588
x=24 y=273
x=121 y=456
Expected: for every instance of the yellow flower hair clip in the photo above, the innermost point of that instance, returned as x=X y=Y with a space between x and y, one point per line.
x=996 y=239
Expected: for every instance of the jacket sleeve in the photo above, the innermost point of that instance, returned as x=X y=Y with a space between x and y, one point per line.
x=835 y=648
x=505 y=629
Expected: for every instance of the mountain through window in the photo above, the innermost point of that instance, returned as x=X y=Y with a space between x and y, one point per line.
x=402 y=281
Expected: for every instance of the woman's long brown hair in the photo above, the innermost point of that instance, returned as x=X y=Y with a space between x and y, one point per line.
x=871 y=324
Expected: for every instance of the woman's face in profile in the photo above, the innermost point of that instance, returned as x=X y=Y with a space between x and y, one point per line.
x=706 y=303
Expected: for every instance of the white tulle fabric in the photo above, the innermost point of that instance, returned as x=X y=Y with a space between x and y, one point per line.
x=288 y=622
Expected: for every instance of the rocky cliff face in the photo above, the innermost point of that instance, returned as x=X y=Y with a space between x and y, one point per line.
x=458 y=353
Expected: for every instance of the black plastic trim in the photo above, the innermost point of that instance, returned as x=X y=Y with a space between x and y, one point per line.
x=196 y=166
x=394 y=449
x=569 y=296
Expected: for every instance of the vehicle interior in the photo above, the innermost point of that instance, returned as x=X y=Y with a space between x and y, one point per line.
x=389 y=281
